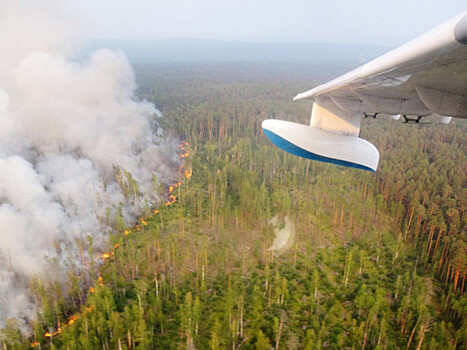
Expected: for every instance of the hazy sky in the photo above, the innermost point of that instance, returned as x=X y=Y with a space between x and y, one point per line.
x=337 y=21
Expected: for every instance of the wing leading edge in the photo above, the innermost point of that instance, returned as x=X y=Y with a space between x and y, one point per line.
x=427 y=76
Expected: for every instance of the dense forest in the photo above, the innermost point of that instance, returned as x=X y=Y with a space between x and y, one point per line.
x=367 y=261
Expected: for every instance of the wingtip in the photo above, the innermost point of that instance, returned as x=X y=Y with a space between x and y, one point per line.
x=298 y=97
x=303 y=95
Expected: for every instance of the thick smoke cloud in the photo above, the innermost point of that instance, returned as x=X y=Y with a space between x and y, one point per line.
x=70 y=133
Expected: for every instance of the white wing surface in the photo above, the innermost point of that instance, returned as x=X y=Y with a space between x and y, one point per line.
x=427 y=76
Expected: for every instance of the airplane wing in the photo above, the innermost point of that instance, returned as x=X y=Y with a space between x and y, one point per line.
x=427 y=76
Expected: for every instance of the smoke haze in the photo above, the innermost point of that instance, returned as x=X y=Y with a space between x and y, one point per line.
x=66 y=130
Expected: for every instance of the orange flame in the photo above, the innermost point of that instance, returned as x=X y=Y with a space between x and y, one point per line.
x=48 y=335
x=72 y=319
x=172 y=200
x=183 y=148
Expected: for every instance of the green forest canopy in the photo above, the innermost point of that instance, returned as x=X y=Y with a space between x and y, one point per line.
x=378 y=261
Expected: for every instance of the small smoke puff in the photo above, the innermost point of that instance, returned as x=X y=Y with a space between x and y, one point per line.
x=4 y=101
x=12 y=300
x=7 y=124
x=29 y=216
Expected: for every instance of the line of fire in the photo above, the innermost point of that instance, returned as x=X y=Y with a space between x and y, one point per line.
x=107 y=255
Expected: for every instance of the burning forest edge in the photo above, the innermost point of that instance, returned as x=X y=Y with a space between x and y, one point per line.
x=184 y=153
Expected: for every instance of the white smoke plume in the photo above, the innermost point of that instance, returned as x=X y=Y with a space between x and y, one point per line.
x=66 y=129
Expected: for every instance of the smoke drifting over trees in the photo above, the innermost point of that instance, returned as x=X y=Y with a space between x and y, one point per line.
x=73 y=140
